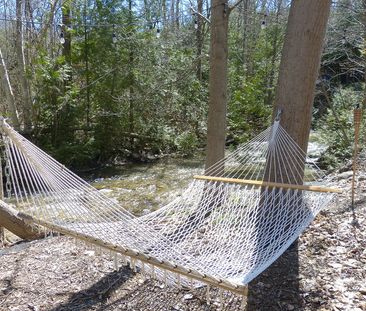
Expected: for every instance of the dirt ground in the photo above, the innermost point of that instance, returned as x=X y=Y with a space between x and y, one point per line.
x=325 y=270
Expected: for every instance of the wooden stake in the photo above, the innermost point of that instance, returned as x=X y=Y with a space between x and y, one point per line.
x=357 y=115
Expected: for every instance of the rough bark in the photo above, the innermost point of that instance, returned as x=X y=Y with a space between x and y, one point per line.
x=300 y=65
x=26 y=102
x=10 y=219
x=10 y=98
x=199 y=39
x=216 y=124
x=294 y=95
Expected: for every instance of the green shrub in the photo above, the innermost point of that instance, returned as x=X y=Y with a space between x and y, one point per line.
x=336 y=128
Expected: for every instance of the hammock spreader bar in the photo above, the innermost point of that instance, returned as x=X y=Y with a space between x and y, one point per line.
x=259 y=183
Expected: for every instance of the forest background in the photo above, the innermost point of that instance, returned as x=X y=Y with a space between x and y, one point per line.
x=98 y=82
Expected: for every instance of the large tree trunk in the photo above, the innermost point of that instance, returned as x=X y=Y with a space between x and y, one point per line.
x=26 y=102
x=300 y=65
x=294 y=96
x=216 y=125
x=10 y=98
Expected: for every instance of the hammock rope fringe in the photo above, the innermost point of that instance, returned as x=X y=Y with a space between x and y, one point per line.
x=223 y=230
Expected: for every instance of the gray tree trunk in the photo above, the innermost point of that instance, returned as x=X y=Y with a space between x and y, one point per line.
x=216 y=124
x=294 y=95
x=199 y=39
x=300 y=65
x=26 y=102
x=10 y=98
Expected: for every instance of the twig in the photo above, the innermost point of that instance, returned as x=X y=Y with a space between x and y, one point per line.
x=200 y=15
x=232 y=7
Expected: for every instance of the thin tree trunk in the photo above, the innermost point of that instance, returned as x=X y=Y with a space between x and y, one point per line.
x=294 y=96
x=164 y=11
x=86 y=58
x=199 y=39
x=66 y=25
x=271 y=76
x=10 y=98
x=172 y=14
x=364 y=60
x=216 y=125
x=24 y=85
x=245 y=19
x=177 y=12
x=132 y=81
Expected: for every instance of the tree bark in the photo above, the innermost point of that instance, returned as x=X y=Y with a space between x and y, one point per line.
x=294 y=96
x=216 y=124
x=199 y=39
x=131 y=59
x=10 y=98
x=300 y=65
x=66 y=25
x=26 y=102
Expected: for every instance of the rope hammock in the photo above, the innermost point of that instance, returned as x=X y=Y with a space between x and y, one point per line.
x=223 y=230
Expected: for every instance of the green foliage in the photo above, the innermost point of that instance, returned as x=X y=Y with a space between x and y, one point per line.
x=107 y=100
x=187 y=143
x=336 y=128
x=248 y=113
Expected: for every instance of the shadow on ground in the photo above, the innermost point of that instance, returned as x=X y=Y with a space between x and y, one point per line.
x=278 y=287
x=98 y=293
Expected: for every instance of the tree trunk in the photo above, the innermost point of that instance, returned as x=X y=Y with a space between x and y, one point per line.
x=26 y=102
x=199 y=39
x=177 y=13
x=86 y=59
x=10 y=99
x=131 y=57
x=172 y=14
x=66 y=25
x=271 y=75
x=294 y=95
x=364 y=60
x=216 y=125
x=300 y=65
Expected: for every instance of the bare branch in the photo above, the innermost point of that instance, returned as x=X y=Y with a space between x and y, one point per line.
x=200 y=15
x=232 y=7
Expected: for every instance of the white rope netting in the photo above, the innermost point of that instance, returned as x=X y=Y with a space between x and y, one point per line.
x=227 y=230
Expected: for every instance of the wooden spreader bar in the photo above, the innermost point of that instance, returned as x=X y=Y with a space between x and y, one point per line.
x=134 y=254
x=258 y=183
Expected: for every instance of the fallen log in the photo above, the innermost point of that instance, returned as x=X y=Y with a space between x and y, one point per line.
x=12 y=221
